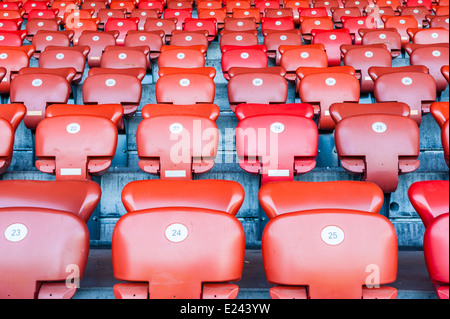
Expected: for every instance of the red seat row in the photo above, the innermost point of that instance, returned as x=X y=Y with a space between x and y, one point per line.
x=322 y=226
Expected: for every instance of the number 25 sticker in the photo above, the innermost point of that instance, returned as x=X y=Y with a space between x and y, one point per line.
x=332 y=235
x=16 y=232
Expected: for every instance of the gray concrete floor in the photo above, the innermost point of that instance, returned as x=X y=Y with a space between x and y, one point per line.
x=412 y=277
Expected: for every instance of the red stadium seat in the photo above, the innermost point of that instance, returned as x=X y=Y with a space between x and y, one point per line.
x=165 y=25
x=10 y=24
x=177 y=146
x=238 y=38
x=269 y=145
x=362 y=57
x=97 y=41
x=186 y=230
x=81 y=26
x=12 y=38
x=10 y=117
x=340 y=14
x=274 y=40
x=353 y=25
x=75 y=147
x=181 y=57
x=180 y=14
x=247 y=13
x=143 y=15
x=236 y=56
x=308 y=24
x=430 y=200
x=389 y=37
x=338 y=88
x=36 y=92
x=433 y=57
x=379 y=147
x=124 y=89
x=43 y=39
x=240 y=24
x=209 y=25
x=332 y=40
x=293 y=57
x=276 y=199
x=419 y=13
x=278 y=24
x=416 y=89
x=13 y=59
x=264 y=88
x=297 y=249
x=185 y=88
x=154 y=40
x=123 y=26
x=39 y=264
x=65 y=57
x=299 y=109
x=438 y=21
x=429 y=35
x=401 y=24
x=125 y=57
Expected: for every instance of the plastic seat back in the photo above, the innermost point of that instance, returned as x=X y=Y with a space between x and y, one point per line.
x=211 y=111
x=378 y=146
x=429 y=35
x=401 y=24
x=364 y=57
x=60 y=57
x=182 y=57
x=123 y=26
x=287 y=197
x=298 y=249
x=264 y=88
x=121 y=89
x=210 y=256
x=36 y=92
x=97 y=42
x=433 y=57
x=389 y=37
x=269 y=145
x=40 y=253
x=332 y=40
x=125 y=58
x=340 y=111
x=339 y=87
x=418 y=90
x=75 y=147
x=176 y=146
x=185 y=89
x=243 y=57
x=305 y=55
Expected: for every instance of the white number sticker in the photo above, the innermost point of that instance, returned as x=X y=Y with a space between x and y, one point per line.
x=379 y=127
x=258 y=82
x=36 y=82
x=176 y=128
x=277 y=128
x=176 y=232
x=16 y=232
x=73 y=128
x=185 y=82
x=332 y=235
x=110 y=82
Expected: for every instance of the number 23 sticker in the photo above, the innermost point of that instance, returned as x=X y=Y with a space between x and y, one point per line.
x=16 y=232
